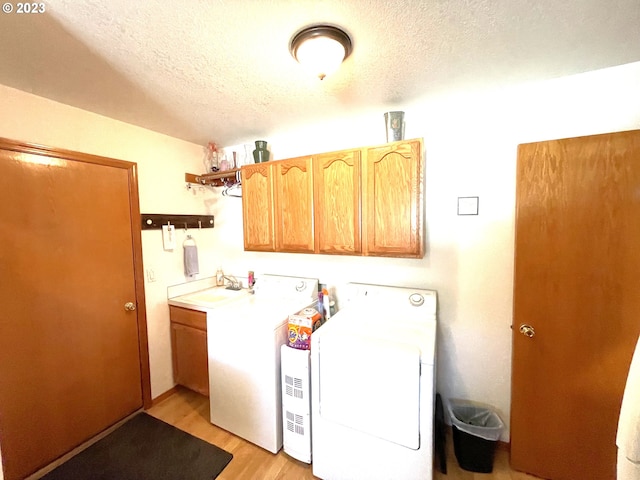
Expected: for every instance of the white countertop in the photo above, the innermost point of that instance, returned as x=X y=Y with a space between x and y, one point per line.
x=208 y=298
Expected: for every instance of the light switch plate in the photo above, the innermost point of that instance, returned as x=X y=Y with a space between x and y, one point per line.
x=468 y=205
x=151 y=275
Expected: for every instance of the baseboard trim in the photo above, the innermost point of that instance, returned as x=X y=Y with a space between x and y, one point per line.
x=504 y=446
x=165 y=395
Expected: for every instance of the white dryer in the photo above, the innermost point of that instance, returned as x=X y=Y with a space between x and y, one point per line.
x=372 y=371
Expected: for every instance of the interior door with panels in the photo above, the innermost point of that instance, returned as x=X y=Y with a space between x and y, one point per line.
x=73 y=345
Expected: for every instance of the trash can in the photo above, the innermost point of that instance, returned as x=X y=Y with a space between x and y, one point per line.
x=476 y=431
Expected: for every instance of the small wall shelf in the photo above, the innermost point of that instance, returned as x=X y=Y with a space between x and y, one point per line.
x=216 y=179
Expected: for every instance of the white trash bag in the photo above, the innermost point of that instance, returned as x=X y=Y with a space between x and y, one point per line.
x=471 y=418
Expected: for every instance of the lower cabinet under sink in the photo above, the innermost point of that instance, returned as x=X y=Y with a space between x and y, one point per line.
x=189 y=348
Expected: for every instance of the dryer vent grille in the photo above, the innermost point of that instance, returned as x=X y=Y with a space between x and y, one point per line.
x=295 y=423
x=293 y=387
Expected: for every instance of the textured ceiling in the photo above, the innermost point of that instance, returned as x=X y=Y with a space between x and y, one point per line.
x=221 y=70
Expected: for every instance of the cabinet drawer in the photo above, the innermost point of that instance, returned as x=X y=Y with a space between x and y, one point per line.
x=188 y=317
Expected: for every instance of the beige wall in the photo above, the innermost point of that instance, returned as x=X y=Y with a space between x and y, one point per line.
x=470 y=142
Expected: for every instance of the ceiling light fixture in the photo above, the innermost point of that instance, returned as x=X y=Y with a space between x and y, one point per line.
x=321 y=48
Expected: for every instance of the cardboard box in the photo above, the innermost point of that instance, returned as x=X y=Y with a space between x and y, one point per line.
x=301 y=326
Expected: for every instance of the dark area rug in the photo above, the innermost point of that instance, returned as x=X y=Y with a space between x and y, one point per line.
x=145 y=448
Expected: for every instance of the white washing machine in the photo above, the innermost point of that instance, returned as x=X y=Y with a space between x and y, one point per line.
x=244 y=340
x=372 y=371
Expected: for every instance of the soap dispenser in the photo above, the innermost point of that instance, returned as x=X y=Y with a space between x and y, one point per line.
x=219 y=277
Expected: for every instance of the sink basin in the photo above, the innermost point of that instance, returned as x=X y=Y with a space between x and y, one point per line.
x=212 y=296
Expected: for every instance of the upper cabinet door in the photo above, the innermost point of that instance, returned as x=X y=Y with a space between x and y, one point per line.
x=337 y=202
x=293 y=194
x=392 y=200
x=257 y=207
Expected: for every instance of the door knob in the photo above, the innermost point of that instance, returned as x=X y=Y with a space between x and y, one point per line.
x=527 y=330
x=130 y=306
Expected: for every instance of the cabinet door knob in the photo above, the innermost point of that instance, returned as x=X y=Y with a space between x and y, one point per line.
x=130 y=306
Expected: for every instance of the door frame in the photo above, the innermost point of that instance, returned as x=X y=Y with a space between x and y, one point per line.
x=136 y=228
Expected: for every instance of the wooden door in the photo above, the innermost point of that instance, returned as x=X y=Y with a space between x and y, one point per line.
x=576 y=284
x=293 y=194
x=392 y=200
x=257 y=208
x=337 y=202
x=73 y=360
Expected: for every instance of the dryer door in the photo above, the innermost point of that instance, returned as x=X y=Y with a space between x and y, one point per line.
x=371 y=385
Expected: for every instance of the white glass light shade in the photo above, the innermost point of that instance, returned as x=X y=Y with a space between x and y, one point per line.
x=321 y=49
x=321 y=55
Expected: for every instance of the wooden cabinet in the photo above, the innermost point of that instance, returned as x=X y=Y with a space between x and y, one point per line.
x=293 y=205
x=337 y=202
x=189 y=348
x=365 y=201
x=257 y=207
x=392 y=200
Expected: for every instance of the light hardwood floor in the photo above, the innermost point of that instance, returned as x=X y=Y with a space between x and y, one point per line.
x=189 y=411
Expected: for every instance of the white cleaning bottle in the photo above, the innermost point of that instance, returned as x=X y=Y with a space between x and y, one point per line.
x=326 y=304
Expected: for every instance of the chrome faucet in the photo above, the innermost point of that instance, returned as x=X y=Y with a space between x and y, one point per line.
x=234 y=284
